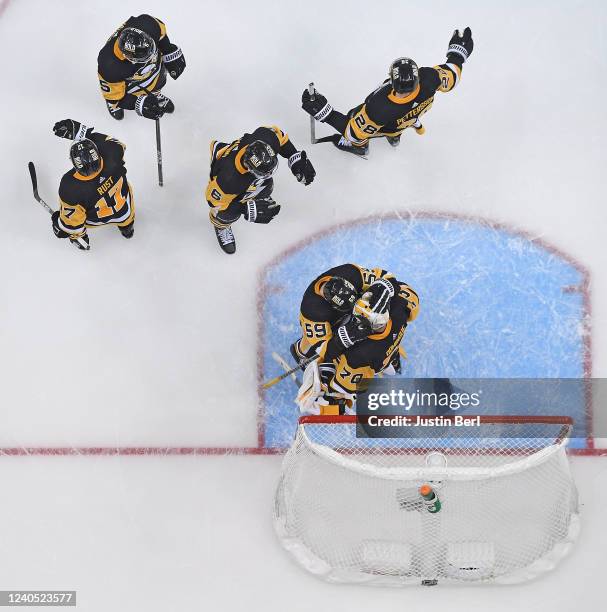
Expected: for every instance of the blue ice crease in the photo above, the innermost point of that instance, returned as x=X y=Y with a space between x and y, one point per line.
x=492 y=306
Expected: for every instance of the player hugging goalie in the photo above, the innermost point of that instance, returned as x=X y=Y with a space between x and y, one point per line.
x=354 y=320
x=397 y=104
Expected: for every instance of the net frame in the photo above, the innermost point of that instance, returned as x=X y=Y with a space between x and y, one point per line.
x=514 y=459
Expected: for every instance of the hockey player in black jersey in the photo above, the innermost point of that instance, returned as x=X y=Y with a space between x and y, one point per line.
x=132 y=67
x=95 y=191
x=241 y=181
x=329 y=299
x=397 y=104
x=353 y=342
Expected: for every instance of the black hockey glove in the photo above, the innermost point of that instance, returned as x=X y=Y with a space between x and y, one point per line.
x=149 y=107
x=461 y=44
x=260 y=211
x=356 y=329
x=302 y=167
x=68 y=128
x=56 y=229
x=318 y=107
x=174 y=61
x=166 y=104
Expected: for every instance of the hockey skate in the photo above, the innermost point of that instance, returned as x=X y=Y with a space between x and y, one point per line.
x=393 y=140
x=343 y=144
x=128 y=230
x=116 y=112
x=225 y=237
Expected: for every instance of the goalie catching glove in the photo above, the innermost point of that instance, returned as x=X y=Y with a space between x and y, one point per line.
x=318 y=107
x=314 y=396
x=260 y=211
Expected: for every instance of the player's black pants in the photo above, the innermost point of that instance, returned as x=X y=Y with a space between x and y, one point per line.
x=262 y=188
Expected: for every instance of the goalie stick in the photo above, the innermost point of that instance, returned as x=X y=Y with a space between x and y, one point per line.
x=303 y=364
x=286 y=367
x=50 y=211
x=277 y=379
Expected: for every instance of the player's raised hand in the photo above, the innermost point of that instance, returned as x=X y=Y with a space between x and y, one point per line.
x=68 y=128
x=302 y=167
x=315 y=105
x=461 y=44
x=174 y=61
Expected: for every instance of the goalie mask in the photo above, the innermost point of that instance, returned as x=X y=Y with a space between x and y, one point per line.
x=374 y=304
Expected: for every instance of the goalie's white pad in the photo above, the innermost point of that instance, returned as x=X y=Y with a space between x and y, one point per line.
x=310 y=396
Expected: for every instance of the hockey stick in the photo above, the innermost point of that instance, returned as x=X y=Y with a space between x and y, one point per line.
x=273 y=381
x=158 y=141
x=159 y=152
x=50 y=211
x=285 y=366
x=313 y=140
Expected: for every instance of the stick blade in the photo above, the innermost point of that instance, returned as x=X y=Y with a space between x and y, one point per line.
x=32 y=169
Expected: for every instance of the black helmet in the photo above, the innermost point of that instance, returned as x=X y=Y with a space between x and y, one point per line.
x=340 y=293
x=136 y=45
x=85 y=156
x=260 y=159
x=404 y=75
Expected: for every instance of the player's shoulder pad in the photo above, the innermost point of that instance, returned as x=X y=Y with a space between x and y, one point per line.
x=351 y=272
x=70 y=188
x=429 y=78
x=110 y=67
x=268 y=134
x=408 y=295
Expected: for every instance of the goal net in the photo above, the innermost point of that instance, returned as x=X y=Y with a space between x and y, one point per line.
x=496 y=504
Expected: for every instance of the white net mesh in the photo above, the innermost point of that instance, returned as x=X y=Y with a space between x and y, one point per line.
x=349 y=509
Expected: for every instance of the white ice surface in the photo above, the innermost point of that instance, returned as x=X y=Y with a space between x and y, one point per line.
x=153 y=341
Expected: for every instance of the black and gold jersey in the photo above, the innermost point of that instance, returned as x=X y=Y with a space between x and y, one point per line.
x=317 y=317
x=229 y=180
x=121 y=81
x=373 y=355
x=383 y=113
x=98 y=199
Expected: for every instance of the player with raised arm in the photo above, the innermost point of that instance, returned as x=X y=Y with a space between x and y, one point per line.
x=132 y=67
x=95 y=191
x=360 y=346
x=397 y=104
x=241 y=181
